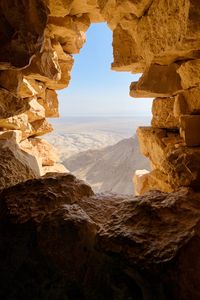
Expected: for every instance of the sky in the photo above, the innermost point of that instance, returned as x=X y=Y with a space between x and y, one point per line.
x=96 y=90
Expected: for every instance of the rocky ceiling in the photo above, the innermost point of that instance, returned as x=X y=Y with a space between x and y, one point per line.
x=158 y=38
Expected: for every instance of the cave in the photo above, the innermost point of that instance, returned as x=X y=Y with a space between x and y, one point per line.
x=59 y=240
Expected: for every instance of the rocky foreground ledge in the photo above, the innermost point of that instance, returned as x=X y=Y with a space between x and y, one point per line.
x=60 y=241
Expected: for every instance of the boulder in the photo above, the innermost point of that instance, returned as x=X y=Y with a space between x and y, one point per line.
x=50 y=103
x=145 y=181
x=157 y=81
x=41 y=148
x=60 y=235
x=127 y=58
x=190 y=73
x=163 y=113
x=15 y=164
x=170 y=155
x=169 y=31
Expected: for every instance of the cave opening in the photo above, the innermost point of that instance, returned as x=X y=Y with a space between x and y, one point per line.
x=59 y=239
x=95 y=89
x=96 y=131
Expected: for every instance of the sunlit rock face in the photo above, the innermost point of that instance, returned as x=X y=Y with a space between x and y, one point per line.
x=155 y=37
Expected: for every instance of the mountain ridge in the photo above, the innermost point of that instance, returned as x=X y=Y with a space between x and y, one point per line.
x=109 y=169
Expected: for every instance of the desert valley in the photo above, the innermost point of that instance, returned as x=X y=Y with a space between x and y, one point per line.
x=103 y=151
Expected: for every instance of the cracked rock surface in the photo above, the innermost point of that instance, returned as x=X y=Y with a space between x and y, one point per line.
x=61 y=241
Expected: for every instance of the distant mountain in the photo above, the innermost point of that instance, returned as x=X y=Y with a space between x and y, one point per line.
x=74 y=135
x=110 y=168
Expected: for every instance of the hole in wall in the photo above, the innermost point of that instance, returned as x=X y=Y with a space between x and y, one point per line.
x=95 y=90
x=97 y=114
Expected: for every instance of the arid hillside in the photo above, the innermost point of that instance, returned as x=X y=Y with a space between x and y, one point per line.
x=111 y=168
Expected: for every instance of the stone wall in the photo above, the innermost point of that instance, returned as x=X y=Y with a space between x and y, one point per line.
x=158 y=38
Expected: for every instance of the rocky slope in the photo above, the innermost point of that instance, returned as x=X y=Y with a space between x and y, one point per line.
x=111 y=168
x=60 y=241
x=72 y=135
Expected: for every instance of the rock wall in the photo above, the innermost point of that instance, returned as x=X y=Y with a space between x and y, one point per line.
x=168 y=39
x=157 y=38
x=58 y=239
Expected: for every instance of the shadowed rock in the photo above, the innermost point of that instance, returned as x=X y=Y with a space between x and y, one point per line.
x=56 y=233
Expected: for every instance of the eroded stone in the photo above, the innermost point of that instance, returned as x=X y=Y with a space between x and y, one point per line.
x=157 y=81
x=190 y=129
x=163 y=113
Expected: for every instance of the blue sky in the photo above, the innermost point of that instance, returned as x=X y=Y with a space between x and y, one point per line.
x=95 y=90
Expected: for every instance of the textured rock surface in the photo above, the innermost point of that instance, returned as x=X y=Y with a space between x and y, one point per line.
x=163 y=113
x=15 y=164
x=58 y=240
x=145 y=181
x=157 y=38
x=157 y=81
x=63 y=242
x=169 y=154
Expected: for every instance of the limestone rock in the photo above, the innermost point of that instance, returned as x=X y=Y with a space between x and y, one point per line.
x=16 y=165
x=35 y=111
x=157 y=81
x=149 y=243
x=145 y=181
x=192 y=100
x=180 y=106
x=193 y=28
x=121 y=8
x=82 y=22
x=163 y=113
x=153 y=234
x=190 y=73
x=65 y=63
x=22 y=26
x=13 y=160
x=151 y=144
x=164 y=33
x=74 y=249
x=169 y=154
x=42 y=149
x=11 y=105
x=54 y=190
x=66 y=32
x=140 y=181
x=50 y=104
x=90 y=7
x=190 y=129
x=128 y=57
x=59 y=8
x=18 y=85
x=44 y=66
x=46 y=155
x=19 y=122
x=13 y=135
x=155 y=37
x=40 y=127
x=16 y=113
